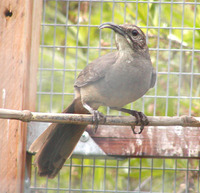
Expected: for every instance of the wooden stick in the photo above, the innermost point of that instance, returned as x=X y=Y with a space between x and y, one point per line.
x=26 y=116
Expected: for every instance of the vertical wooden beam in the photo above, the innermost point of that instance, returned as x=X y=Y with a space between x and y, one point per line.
x=19 y=48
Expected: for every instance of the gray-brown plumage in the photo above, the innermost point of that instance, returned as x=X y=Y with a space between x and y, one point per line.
x=112 y=80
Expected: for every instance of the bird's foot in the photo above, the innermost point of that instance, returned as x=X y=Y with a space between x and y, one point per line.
x=140 y=118
x=97 y=117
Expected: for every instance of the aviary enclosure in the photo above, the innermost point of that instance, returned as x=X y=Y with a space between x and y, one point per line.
x=162 y=158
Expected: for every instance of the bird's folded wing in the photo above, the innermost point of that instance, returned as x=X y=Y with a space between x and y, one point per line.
x=96 y=69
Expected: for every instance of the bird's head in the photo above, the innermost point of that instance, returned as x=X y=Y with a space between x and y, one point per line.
x=127 y=36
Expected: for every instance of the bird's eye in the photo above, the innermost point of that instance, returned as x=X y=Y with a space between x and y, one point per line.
x=135 y=32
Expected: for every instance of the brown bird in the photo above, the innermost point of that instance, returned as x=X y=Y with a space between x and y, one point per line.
x=112 y=80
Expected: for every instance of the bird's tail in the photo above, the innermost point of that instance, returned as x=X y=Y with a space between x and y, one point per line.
x=57 y=143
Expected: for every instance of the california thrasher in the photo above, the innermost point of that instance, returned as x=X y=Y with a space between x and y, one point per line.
x=112 y=80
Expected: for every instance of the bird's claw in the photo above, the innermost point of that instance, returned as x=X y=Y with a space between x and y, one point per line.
x=135 y=132
x=140 y=118
x=97 y=117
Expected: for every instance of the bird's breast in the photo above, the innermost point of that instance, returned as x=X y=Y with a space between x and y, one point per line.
x=125 y=84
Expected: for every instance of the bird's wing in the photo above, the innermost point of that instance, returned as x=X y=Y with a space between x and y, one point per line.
x=96 y=69
x=153 y=78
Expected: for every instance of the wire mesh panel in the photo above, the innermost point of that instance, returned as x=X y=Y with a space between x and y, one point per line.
x=70 y=39
x=129 y=175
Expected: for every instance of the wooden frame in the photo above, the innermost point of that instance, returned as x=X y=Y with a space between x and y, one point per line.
x=154 y=141
x=19 y=50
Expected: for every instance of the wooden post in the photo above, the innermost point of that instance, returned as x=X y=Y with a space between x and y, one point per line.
x=19 y=47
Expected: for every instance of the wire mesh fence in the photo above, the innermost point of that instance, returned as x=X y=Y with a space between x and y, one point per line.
x=70 y=39
x=128 y=175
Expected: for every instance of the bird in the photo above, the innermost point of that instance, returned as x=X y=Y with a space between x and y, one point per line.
x=113 y=80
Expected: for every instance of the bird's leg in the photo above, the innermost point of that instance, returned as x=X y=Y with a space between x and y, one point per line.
x=140 y=118
x=97 y=116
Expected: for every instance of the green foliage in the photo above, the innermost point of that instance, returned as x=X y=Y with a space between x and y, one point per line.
x=123 y=175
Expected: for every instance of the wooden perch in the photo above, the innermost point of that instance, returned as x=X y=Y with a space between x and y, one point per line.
x=26 y=116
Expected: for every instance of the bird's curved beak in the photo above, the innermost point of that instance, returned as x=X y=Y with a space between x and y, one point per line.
x=113 y=26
